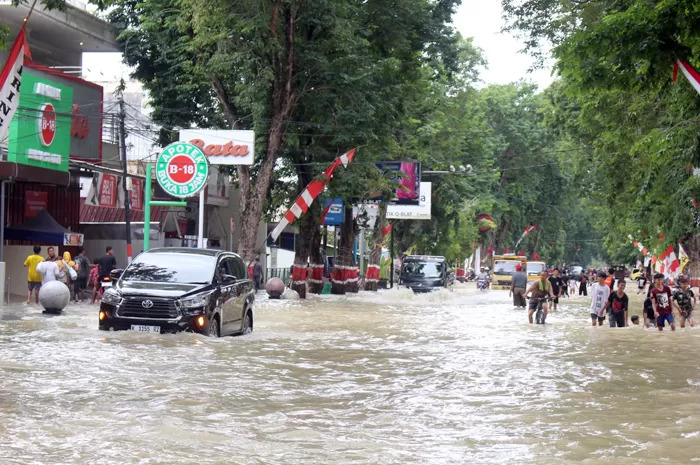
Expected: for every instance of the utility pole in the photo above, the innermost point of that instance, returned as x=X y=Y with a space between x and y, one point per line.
x=127 y=200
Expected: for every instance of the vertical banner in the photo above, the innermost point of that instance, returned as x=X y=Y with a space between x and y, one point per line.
x=135 y=193
x=34 y=202
x=105 y=191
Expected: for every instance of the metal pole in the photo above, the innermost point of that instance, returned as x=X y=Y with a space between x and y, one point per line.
x=391 y=252
x=127 y=202
x=147 y=210
x=200 y=235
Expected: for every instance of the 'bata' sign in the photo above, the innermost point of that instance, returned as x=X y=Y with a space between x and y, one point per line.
x=223 y=147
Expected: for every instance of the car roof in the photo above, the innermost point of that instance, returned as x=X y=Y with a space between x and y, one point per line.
x=190 y=251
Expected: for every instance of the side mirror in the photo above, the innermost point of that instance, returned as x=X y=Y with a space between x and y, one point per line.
x=115 y=274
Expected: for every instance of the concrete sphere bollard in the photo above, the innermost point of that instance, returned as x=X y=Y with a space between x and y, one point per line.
x=274 y=288
x=54 y=296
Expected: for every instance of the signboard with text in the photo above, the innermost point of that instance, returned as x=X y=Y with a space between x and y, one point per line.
x=34 y=202
x=422 y=211
x=335 y=212
x=59 y=117
x=182 y=169
x=407 y=175
x=222 y=147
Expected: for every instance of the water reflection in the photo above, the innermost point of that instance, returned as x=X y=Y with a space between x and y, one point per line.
x=388 y=378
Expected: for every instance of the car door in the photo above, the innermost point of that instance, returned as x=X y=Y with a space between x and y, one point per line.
x=245 y=289
x=227 y=285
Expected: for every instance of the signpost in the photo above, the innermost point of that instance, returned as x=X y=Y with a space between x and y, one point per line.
x=182 y=171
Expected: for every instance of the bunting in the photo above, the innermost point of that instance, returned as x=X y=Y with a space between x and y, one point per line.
x=683 y=257
x=528 y=230
x=303 y=202
x=671 y=266
x=386 y=230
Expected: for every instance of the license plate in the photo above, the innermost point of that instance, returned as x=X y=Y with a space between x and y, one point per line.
x=145 y=329
x=107 y=284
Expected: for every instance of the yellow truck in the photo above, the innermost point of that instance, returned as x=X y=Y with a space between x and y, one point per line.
x=534 y=269
x=503 y=269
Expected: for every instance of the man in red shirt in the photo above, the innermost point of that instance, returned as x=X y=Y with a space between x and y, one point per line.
x=661 y=300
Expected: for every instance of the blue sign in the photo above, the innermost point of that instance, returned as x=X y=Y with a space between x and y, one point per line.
x=334 y=212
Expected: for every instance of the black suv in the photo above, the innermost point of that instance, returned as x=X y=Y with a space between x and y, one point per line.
x=180 y=289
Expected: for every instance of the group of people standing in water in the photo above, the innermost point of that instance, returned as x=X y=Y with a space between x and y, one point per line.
x=609 y=299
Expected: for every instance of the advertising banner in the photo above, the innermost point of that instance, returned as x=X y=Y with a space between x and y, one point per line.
x=135 y=193
x=40 y=130
x=60 y=117
x=407 y=176
x=422 y=211
x=334 y=212
x=34 y=202
x=74 y=239
x=217 y=188
x=105 y=191
x=223 y=147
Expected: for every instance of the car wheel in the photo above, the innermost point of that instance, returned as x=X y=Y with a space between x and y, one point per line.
x=213 y=328
x=247 y=323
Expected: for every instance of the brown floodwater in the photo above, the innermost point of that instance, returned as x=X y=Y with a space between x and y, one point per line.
x=453 y=377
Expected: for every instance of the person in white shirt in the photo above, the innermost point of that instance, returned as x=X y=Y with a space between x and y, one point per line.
x=599 y=299
x=48 y=270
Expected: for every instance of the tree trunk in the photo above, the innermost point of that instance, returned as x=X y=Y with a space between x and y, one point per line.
x=316 y=257
x=283 y=99
x=342 y=279
x=692 y=270
x=372 y=274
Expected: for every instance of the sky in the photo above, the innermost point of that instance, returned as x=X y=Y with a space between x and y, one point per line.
x=482 y=20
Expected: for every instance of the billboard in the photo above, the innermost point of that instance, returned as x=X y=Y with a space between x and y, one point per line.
x=59 y=117
x=422 y=211
x=223 y=147
x=407 y=176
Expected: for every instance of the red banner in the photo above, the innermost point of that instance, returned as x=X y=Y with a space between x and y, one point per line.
x=136 y=194
x=34 y=202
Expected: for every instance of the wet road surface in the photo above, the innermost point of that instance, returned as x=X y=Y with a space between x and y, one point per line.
x=390 y=378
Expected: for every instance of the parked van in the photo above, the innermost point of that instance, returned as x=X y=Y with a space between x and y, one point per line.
x=424 y=273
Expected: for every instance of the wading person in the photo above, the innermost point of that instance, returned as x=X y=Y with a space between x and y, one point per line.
x=83 y=270
x=648 y=312
x=599 y=298
x=684 y=301
x=257 y=273
x=641 y=283
x=539 y=290
x=618 y=302
x=106 y=264
x=583 y=284
x=661 y=299
x=517 y=287
x=565 y=286
x=33 y=277
x=557 y=287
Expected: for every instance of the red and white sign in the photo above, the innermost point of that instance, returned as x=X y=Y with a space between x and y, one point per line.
x=181 y=168
x=34 y=202
x=136 y=194
x=223 y=147
x=108 y=189
x=233 y=225
x=47 y=124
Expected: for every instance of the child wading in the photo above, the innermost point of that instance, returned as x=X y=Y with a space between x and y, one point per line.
x=685 y=302
x=618 y=303
x=599 y=299
x=661 y=299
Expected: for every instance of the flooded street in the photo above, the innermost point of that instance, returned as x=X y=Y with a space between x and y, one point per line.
x=389 y=378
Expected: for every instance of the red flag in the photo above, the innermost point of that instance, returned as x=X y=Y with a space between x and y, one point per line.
x=506 y=250
x=490 y=250
x=386 y=230
x=536 y=256
x=325 y=212
x=10 y=81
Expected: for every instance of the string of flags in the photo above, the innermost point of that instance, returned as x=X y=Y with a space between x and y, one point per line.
x=689 y=72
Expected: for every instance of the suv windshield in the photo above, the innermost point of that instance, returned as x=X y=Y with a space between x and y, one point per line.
x=423 y=269
x=171 y=268
x=505 y=267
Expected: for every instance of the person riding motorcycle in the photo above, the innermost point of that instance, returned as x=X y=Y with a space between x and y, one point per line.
x=484 y=277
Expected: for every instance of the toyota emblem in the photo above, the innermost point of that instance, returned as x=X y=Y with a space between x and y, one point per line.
x=147 y=304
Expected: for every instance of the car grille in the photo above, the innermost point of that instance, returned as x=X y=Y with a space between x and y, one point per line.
x=162 y=308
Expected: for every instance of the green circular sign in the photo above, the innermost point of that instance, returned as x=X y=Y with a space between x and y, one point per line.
x=182 y=169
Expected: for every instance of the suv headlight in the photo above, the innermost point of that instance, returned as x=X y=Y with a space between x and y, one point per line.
x=194 y=302
x=112 y=297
